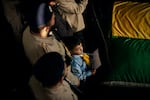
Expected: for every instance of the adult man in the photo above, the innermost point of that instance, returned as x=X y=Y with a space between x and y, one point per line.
x=51 y=70
x=39 y=39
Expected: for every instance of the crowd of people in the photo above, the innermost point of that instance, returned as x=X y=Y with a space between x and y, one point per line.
x=56 y=66
x=44 y=45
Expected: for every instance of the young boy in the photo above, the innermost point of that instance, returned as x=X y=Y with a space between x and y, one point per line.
x=80 y=64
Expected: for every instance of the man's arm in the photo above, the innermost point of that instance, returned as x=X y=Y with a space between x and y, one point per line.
x=70 y=6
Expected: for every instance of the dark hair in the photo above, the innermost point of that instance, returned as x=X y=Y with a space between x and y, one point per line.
x=39 y=16
x=49 y=69
x=71 y=42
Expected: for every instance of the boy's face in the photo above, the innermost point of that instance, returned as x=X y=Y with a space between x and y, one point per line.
x=78 y=50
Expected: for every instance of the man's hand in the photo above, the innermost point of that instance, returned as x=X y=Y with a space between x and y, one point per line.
x=52 y=3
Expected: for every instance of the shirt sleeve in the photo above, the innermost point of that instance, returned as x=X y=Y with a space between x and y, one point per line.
x=79 y=70
x=71 y=6
x=87 y=73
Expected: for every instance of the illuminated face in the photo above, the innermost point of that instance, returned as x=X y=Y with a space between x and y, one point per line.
x=78 y=49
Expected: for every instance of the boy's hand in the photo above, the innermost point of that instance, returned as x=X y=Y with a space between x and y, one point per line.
x=93 y=71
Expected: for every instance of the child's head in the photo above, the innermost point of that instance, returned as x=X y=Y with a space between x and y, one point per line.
x=74 y=45
x=50 y=69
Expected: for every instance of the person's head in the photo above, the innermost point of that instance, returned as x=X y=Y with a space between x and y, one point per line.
x=74 y=45
x=50 y=69
x=41 y=18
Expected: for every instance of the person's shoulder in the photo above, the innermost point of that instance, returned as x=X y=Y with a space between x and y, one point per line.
x=26 y=30
x=65 y=83
x=26 y=36
x=76 y=57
